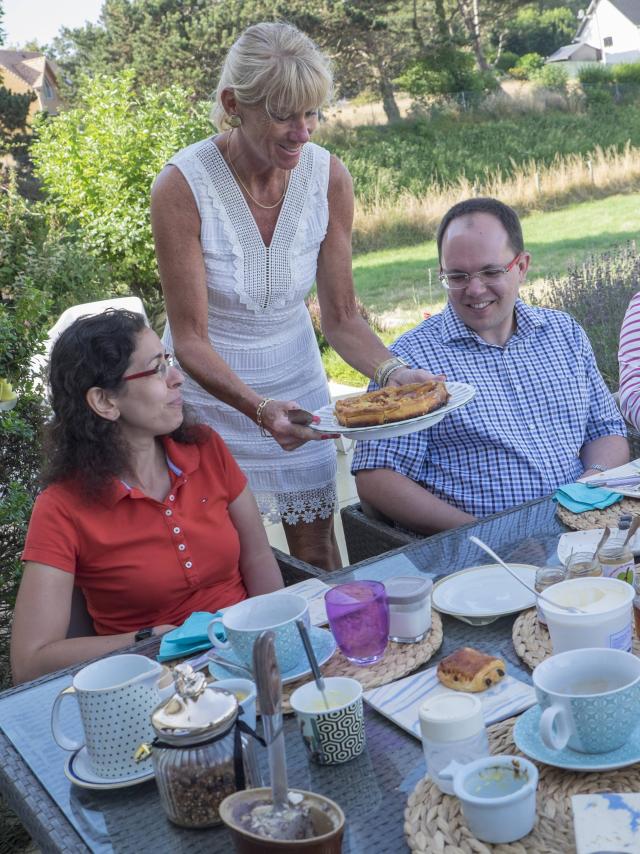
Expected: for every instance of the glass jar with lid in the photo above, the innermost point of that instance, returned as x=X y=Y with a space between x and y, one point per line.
x=195 y=752
x=409 y=599
x=546 y=576
x=616 y=558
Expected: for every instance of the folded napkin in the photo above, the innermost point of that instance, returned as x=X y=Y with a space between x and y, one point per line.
x=190 y=637
x=578 y=497
x=400 y=701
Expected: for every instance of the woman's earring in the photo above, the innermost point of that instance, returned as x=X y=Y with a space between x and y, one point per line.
x=234 y=121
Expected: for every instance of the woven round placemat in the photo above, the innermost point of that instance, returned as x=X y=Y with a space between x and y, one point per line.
x=434 y=824
x=597 y=518
x=399 y=660
x=532 y=642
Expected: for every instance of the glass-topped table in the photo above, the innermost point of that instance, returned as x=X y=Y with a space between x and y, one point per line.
x=372 y=789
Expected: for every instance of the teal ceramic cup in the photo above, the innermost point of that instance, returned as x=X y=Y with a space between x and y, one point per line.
x=244 y=623
x=589 y=699
x=335 y=734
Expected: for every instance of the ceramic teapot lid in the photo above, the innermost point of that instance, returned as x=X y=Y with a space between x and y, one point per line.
x=196 y=712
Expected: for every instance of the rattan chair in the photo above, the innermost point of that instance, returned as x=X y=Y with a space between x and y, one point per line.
x=292 y=569
x=367 y=536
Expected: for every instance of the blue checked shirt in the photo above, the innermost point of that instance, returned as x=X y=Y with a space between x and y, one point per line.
x=538 y=400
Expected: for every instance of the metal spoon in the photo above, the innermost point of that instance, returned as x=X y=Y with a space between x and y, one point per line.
x=313 y=661
x=489 y=551
x=209 y=656
x=603 y=539
x=633 y=527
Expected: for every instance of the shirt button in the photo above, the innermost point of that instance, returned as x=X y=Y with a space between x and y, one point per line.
x=172 y=498
x=168 y=512
x=181 y=547
x=176 y=530
x=188 y=564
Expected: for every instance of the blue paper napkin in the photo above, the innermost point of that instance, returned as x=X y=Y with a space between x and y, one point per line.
x=578 y=497
x=190 y=637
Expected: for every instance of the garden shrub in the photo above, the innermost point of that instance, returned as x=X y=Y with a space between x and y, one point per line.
x=445 y=71
x=597 y=294
x=553 y=77
x=627 y=72
x=527 y=66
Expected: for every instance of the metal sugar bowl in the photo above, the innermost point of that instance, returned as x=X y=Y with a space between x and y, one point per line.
x=199 y=755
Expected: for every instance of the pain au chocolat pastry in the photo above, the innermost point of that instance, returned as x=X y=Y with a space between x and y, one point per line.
x=470 y=670
x=391 y=404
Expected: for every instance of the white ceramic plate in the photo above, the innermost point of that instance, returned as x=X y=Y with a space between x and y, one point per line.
x=78 y=770
x=461 y=393
x=480 y=594
x=586 y=541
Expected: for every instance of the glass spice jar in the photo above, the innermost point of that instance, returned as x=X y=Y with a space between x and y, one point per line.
x=616 y=558
x=546 y=576
x=194 y=751
x=583 y=565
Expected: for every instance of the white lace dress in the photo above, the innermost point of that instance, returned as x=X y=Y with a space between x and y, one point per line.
x=259 y=324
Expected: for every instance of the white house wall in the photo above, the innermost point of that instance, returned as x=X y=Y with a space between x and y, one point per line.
x=605 y=22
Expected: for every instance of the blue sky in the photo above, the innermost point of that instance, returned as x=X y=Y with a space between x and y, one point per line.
x=25 y=20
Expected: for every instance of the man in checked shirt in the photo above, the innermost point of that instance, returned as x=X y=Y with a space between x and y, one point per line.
x=542 y=415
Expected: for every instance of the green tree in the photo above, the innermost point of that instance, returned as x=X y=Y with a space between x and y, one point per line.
x=97 y=163
x=543 y=32
x=14 y=113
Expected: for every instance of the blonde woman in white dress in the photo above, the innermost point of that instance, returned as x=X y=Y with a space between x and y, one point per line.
x=244 y=222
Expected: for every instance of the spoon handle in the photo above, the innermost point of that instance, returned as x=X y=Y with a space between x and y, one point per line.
x=313 y=661
x=491 y=553
x=269 y=684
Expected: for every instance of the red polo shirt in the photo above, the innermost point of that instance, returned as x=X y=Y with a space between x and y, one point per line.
x=142 y=562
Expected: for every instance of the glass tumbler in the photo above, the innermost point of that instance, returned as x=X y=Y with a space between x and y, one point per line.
x=358 y=613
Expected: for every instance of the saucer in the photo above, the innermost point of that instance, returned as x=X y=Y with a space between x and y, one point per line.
x=79 y=771
x=324 y=646
x=526 y=735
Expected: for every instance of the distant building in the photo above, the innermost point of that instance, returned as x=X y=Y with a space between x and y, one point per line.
x=609 y=32
x=26 y=71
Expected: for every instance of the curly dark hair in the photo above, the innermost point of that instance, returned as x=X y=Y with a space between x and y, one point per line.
x=80 y=445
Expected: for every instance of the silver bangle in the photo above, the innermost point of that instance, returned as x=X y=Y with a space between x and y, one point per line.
x=595 y=467
x=386 y=368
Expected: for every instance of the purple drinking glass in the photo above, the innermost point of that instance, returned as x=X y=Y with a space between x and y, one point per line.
x=358 y=614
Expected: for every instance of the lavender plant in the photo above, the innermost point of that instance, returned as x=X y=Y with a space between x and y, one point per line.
x=597 y=294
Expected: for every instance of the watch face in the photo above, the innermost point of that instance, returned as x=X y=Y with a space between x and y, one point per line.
x=142 y=634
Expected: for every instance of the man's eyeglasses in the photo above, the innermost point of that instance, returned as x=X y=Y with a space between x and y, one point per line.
x=492 y=275
x=167 y=361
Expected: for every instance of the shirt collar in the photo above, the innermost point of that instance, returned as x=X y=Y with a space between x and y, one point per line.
x=182 y=460
x=528 y=319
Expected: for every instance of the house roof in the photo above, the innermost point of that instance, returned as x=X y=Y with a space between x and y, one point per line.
x=27 y=65
x=629 y=8
x=568 y=51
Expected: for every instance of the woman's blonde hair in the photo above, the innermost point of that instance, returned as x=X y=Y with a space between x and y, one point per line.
x=276 y=65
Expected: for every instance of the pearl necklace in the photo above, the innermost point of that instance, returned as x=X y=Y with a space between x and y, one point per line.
x=246 y=189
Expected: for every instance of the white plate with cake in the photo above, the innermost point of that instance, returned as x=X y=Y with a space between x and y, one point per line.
x=388 y=404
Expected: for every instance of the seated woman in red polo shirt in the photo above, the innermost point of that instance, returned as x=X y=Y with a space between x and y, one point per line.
x=151 y=519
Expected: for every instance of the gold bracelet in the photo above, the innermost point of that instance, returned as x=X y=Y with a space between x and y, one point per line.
x=259 y=413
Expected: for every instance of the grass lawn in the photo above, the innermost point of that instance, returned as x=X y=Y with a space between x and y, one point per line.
x=395 y=283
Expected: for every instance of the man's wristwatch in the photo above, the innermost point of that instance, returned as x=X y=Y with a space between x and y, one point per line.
x=143 y=634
